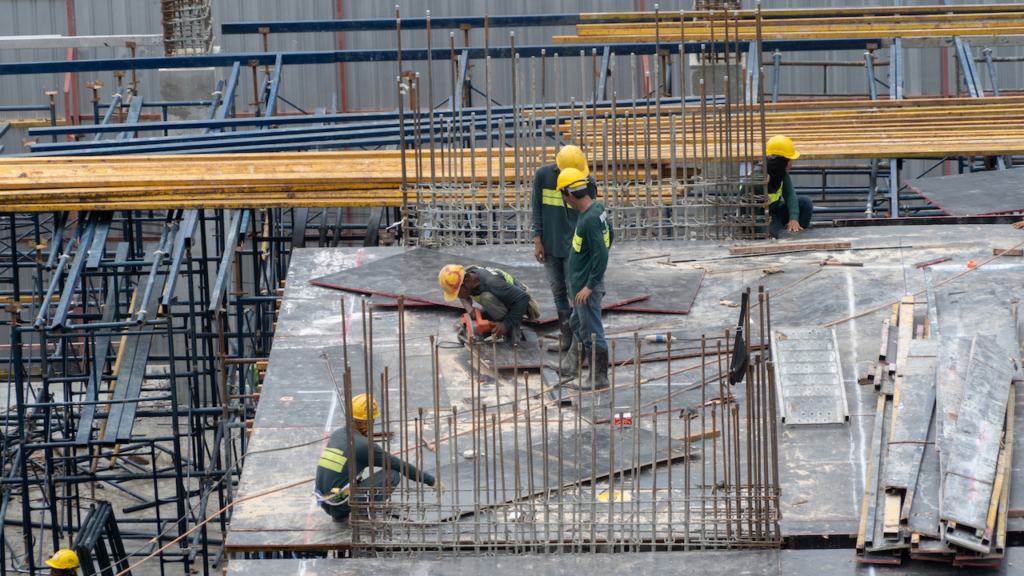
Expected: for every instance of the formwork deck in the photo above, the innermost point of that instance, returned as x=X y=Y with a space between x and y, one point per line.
x=822 y=468
x=703 y=563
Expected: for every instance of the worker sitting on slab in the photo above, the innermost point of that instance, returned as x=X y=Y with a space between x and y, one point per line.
x=63 y=563
x=332 y=472
x=785 y=208
x=553 y=224
x=588 y=259
x=504 y=299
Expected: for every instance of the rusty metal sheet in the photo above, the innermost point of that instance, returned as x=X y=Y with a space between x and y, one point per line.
x=970 y=473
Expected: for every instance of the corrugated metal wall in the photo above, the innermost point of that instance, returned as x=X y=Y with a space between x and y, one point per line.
x=372 y=85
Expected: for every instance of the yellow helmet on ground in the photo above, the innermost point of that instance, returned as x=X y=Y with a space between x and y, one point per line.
x=64 y=560
x=782 y=146
x=572 y=156
x=571 y=180
x=359 y=405
x=450 y=278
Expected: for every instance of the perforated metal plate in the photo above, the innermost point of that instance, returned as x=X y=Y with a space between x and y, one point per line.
x=809 y=376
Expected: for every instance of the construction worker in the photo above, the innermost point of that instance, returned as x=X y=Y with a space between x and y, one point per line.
x=553 y=224
x=786 y=209
x=63 y=563
x=332 y=471
x=504 y=299
x=588 y=259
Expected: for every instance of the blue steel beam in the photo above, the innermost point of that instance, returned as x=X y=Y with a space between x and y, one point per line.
x=777 y=59
x=271 y=144
x=4 y=128
x=275 y=85
x=361 y=137
x=134 y=111
x=991 y=70
x=110 y=112
x=420 y=54
x=461 y=82
x=229 y=98
x=216 y=100
x=286 y=120
x=201 y=139
x=603 y=78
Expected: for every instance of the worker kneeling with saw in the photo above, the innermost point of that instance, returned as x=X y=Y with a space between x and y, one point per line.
x=332 y=471
x=504 y=300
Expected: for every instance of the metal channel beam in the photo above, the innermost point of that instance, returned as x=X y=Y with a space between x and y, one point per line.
x=239 y=224
x=272 y=143
x=358 y=135
x=229 y=99
x=275 y=87
x=110 y=112
x=602 y=80
x=222 y=122
x=188 y=229
x=74 y=273
x=419 y=54
x=460 y=84
x=134 y=112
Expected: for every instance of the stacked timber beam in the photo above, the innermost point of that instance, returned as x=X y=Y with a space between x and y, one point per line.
x=333 y=179
x=938 y=479
x=924 y=128
x=802 y=25
x=930 y=128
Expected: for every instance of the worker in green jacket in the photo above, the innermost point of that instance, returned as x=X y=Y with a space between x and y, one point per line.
x=588 y=260
x=333 y=482
x=785 y=209
x=553 y=225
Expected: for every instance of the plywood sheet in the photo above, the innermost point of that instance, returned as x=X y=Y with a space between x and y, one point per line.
x=974 y=194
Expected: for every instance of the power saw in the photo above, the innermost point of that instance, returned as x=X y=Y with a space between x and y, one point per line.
x=475 y=324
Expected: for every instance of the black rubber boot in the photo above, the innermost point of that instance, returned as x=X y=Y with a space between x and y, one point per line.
x=563 y=325
x=599 y=370
x=569 y=368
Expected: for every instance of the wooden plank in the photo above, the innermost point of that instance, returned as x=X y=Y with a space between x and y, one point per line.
x=906 y=334
x=885 y=341
x=1004 y=497
x=1007 y=252
x=789 y=247
x=695 y=436
x=891 y=523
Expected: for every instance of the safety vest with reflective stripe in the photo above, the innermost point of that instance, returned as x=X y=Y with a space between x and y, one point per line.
x=577 y=242
x=332 y=459
x=552 y=197
x=508 y=277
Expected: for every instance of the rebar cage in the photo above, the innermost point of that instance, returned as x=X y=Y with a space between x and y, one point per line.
x=681 y=172
x=590 y=472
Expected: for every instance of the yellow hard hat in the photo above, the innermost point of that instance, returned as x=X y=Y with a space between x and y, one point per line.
x=782 y=146
x=359 y=408
x=572 y=157
x=571 y=180
x=64 y=560
x=450 y=278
